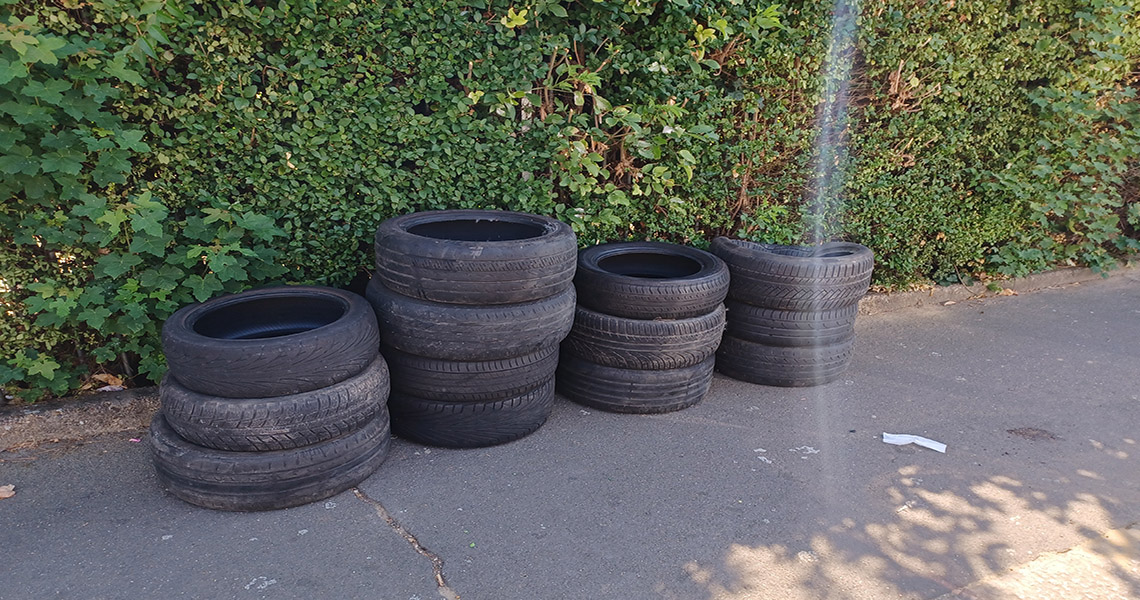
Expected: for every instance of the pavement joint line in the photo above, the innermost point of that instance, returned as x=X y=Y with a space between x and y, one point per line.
x=436 y=562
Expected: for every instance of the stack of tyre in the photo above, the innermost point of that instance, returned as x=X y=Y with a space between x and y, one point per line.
x=472 y=306
x=791 y=310
x=273 y=398
x=646 y=329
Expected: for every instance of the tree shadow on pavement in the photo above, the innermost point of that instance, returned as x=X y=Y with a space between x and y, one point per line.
x=1048 y=533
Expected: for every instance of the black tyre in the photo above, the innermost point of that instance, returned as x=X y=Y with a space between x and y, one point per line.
x=471 y=424
x=644 y=344
x=633 y=391
x=475 y=256
x=776 y=327
x=650 y=280
x=469 y=381
x=826 y=277
x=471 y=333
x=244 y=481
x=783 y=366
x=270 y=342
x=280 y=423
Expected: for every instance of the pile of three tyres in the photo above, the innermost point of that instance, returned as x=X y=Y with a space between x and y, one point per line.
x=472 y=307
x=273 y=398
x=791 y=310
x=646 y=329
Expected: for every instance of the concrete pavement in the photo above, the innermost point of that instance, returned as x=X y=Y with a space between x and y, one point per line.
x=755 y=493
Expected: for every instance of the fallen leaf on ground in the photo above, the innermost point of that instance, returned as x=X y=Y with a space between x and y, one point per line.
x=7 y=491
x=108 y=379
x=1007 y=292
x=949 y=303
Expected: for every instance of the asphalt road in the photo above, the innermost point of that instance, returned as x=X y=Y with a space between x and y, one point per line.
x=756 y=493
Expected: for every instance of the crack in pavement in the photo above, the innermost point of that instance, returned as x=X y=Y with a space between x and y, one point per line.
x=436 y=561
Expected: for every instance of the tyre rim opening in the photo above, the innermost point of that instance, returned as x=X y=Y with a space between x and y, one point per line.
x=260 y=318
x=648 y=265
x=478 y=230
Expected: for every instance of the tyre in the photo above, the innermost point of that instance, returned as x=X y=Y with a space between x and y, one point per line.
x=650 y=280
x=826 y=277
x=476 y=257
x=776 y=327
x=783 y=366
x=270 y=342
x=633 y=391
x=471 y=424
x=643 y=344
x=469 y=381
x=471 y=333
x=281 y=423
x=245 y=481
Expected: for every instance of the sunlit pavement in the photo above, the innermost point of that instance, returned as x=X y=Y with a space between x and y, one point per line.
x=756 y=493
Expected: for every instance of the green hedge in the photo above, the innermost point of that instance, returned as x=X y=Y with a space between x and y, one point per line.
x=157 y=153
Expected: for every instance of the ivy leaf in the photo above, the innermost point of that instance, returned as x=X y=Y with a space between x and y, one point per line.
x=148 y=222
x=13 y=164
x=63 y=161
x=165 y=278
x=226 y=268
x=95 y=317
x=42 y=288
x=214 y=215
x=114 y=220
x=260 y=226
x=44 y=367
x=132 y=140
x=44 y=50
x=203 y=287
x=154 y=245
x=37 y=187
x=514 y=19
x=117 y=68
x=26 y=113
x=12 y=70
x=115 y=265
x=111 y=168
x=8 y=374
x=50 y=92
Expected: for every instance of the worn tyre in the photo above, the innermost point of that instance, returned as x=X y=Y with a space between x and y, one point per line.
x=631 y=390
x=475 y=257
x=280 y=423
x=270 y=342
x=245 y=481
x=469 y=381
x=471 y=424
x=471 y=333
x=650 y=280
x=776 y=327
x=644 y=344
x=783 y=366
x=826 y=277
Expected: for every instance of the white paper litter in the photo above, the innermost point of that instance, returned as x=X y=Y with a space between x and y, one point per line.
x=902 y=439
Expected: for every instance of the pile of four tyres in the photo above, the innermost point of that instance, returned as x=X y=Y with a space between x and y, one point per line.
x=273 y=398
x=791 y=310
x=472 y=307
x=646 y=328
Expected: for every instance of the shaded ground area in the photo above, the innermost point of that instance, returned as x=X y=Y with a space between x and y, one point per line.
x=756 y=493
